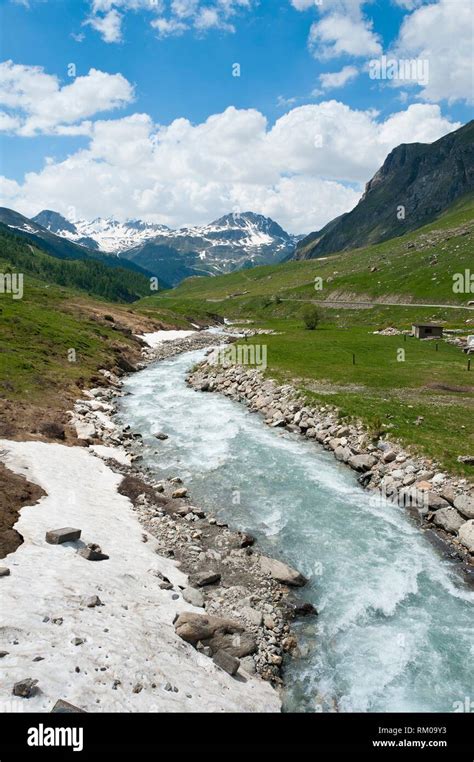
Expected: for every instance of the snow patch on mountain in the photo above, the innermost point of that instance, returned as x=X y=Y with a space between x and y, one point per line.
x=232 y=240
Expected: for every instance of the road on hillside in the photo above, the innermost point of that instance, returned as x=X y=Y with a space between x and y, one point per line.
x=351 y=304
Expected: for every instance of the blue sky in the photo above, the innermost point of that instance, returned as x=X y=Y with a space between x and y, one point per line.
x=257 y=133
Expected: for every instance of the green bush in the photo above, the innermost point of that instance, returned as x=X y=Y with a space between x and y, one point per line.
x=311 y=317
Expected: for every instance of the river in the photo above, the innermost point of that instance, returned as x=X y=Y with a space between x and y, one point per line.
x=394 y=631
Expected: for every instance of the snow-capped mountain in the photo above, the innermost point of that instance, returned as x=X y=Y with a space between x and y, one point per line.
x=104 y=234
x=231 y=242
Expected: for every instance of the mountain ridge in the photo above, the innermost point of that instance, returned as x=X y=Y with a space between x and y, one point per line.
x=415 y=184
x=231 y=242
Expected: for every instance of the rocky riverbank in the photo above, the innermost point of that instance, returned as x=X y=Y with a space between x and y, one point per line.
x=123 y=595
x=243 y=602
x=442 y=504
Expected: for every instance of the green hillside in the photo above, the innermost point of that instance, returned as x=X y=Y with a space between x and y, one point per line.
x=94 y=277
x=416 y=267
x=68 y=324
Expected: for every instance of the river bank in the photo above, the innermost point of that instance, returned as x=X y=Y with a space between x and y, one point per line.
x=442 y=504
x=173 y=581
x=227 y=577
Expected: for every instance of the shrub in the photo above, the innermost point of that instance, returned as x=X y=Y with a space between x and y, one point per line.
x=311 y=317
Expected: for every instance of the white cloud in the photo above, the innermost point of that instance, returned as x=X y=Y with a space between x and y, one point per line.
x=8 y=123
x=409 y=4
x=340 y=78
x=39 y=104
x=210 y=18
x=169 y=17
x=303 y=5
x=108 y=26
x=168 y=27
x=307 y=168
x=441 y=34
x=337 y=34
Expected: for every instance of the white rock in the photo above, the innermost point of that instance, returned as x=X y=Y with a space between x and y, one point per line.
x=466 y=535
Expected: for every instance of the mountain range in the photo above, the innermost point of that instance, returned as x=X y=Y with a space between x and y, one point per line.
x=230 y=243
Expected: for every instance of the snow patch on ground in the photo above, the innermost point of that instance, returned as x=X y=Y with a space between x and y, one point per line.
x=131 y=637
x=153 y=339
x=114 y=453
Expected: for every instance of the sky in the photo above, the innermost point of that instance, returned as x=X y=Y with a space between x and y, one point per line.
x=180 y=111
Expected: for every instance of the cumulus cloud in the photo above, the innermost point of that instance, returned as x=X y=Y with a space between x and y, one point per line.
x=307 y=168
x=39 y=104
x=109 y=26
x=8 y=123
x=442 y=35
x=336 y=35
x=330 y=80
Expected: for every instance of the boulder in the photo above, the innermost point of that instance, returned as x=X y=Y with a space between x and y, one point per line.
x=215 y=633
x=434 y=501
x=245 y=540
x=92 y=552
x=466 y=535
x=423 y=485
x=465 y=505
x=343 y=453
x=200 y=579
x=448 y=494
x=66 y=534
x=248 y=664
x=282 y=572
x=64 y=707
x=93 y=601
x=226 y=661
x=254 y=616
x=161 y=435
x=181 y=492
x=466 y=459
x=449 y=519
x=362 y=462
x=4 y=571
x=304 y=608
x=193 y=596
x=278 y=422
x=25 y=688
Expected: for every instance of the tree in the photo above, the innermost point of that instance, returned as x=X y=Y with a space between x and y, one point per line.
x=311 y=317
